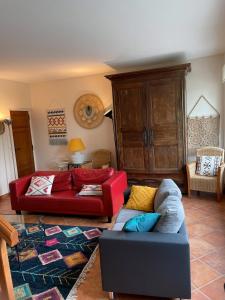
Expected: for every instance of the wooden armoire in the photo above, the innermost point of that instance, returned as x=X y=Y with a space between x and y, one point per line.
x=149 y=123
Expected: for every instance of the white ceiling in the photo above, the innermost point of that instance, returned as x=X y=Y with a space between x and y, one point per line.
x=52 y=39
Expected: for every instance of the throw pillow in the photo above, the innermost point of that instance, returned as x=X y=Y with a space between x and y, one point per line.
x=141 y=223
x=141 y=198
x=40 y=185
x=208 y=165
x=91 y=190
x=167 y=188
x=62 y=182
x=90 y=176
x=172 y=215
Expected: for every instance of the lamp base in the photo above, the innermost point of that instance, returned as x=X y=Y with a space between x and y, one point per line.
x=77 y=158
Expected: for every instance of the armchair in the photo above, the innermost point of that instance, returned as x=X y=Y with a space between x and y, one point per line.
x=213 y=184
x=101 y=159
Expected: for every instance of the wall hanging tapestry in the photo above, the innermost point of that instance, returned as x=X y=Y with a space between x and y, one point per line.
x=57 y=130
x=50 y=264
x=202 y=130
x=88 y=111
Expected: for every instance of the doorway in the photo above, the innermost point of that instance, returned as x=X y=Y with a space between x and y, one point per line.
x=22 y=142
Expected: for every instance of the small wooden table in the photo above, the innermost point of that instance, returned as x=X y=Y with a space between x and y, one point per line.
x=86 y=164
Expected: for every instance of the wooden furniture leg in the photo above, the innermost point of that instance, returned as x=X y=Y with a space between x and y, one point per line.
x=111 y=295
x=9 y=235
x=5 y=275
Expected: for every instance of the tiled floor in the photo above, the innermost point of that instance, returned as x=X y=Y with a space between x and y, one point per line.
x=205 y=218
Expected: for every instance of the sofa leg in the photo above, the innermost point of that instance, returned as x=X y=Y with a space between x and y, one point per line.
x=111 y=295
x=18 y=212
x=109 y=220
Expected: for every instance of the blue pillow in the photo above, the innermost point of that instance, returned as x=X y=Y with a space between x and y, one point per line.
x=141 y=223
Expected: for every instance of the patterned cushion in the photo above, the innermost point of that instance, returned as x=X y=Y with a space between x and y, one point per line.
x=208 y=165
x=91 y=190
x=40 y=185
x=141 y=198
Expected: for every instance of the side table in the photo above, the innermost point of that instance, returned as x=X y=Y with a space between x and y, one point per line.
x=86 y=164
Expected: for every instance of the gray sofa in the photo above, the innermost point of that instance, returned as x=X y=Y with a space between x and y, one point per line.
x=146 y=263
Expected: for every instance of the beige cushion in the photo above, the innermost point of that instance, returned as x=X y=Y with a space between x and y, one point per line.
x=203 y=183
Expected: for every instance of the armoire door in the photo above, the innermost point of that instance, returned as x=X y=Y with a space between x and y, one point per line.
x=130 y=127
x=165 y=123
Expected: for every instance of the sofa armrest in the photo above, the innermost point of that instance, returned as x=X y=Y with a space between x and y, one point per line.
x=139 y=259
x=18 y=188
x=113 y=190
x=153 y=238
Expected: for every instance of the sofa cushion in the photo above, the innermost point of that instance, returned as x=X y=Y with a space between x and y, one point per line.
x=62 y=182
x=91 y=190
x=118 y=227
x=141 y=198
x=66 y=201
x=91 y=176
x=141 y=223
x=172 y=215
x=167 y=188
x=126 y=214
x=40 y=185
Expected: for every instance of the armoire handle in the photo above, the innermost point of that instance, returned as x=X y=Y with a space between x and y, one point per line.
x=151 y=137
x=145 y=137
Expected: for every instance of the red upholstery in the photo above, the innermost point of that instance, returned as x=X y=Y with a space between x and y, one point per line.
x=91 y=176
x=62 y=182
x=68 y=201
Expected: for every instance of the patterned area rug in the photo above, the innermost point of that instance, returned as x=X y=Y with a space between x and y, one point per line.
x=51 y=260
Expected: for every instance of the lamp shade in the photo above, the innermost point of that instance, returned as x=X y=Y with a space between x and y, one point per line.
x=76 y=145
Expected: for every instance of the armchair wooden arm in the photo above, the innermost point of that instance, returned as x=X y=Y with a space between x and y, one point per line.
x=9 y=235
x=190 y=167
x=220 y=180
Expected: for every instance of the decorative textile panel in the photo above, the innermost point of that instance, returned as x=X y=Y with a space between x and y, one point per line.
x=202 y=131
x=57 y=130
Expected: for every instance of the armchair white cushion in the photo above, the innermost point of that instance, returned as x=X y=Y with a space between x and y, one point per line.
x=201 y=183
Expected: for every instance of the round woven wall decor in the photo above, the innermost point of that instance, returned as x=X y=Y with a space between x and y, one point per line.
x=88 y=111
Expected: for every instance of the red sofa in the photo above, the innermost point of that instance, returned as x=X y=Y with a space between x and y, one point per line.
x=64 y=198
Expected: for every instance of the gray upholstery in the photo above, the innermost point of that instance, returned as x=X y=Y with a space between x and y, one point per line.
x=167 y=188
x=126 y=214
x=172 y=215
x=145 y=263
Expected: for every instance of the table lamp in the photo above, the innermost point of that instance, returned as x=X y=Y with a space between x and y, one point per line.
x=75 y=146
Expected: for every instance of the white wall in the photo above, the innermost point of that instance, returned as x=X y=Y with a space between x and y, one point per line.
x=206 y=79
x=64 y=93
x=13 y=96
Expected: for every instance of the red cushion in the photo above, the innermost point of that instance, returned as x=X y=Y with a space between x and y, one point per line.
x=91 y=176
x=62 y=182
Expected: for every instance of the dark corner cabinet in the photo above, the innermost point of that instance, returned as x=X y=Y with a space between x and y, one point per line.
x=149 y=123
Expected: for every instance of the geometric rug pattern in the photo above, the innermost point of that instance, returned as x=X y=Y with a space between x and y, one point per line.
x=49 y=259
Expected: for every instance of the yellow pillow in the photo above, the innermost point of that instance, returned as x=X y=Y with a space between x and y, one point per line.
x=141 y=198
